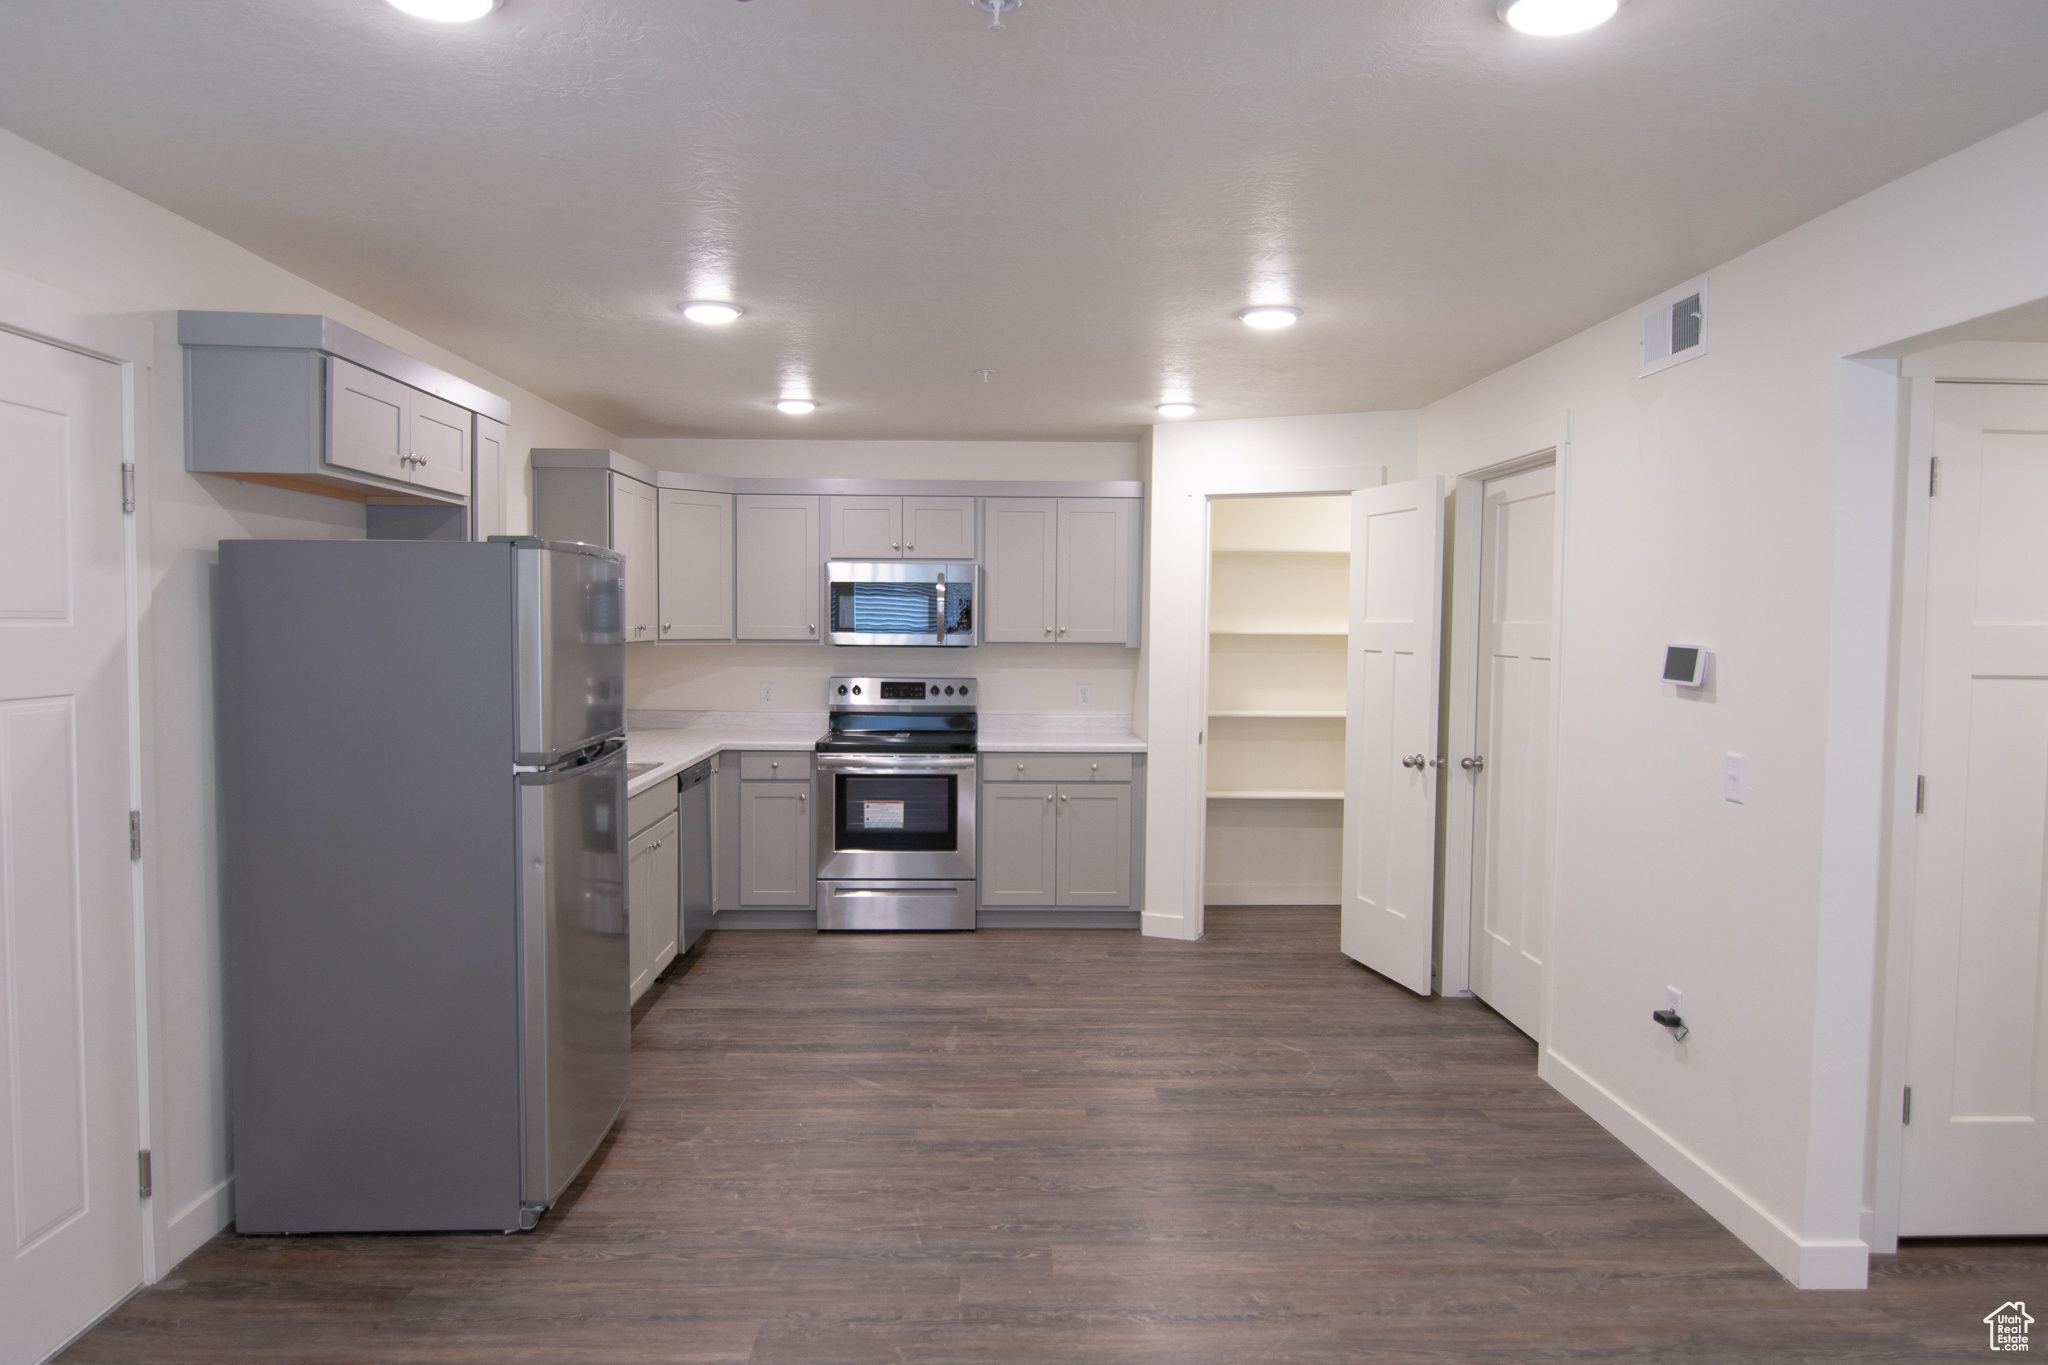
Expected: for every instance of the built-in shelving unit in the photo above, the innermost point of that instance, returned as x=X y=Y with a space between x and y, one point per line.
x=1279 y=583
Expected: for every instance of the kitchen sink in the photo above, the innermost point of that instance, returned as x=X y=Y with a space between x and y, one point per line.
x=634 y=770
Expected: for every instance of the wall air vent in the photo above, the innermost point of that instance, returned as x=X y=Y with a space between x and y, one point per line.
x=1675 y=329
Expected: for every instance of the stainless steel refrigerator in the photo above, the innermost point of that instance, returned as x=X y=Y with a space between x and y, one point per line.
x=422 y=776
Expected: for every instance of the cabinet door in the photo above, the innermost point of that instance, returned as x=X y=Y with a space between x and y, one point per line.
x=437 y=443
x=1019 y=827
x=775 y=843
x=1017 y=585
x=487 y=496
x=366 y=426
x=694 y=536
x=938 y=528
x=651 y=887
x=1094 y=571
x=778 y=577
x=1095 y=844
x=632 y=508
x=865 y=528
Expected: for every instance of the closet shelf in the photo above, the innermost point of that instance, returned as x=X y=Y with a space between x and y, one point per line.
x=1285 y=550
x=1276 y=715
x=1276 y=796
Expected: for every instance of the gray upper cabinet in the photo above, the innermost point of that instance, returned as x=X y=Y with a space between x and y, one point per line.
x=487 y=498
x=1096 y=551
x=778 y=570
x=634 y=535
x=899 y=528
x=1061 y=571
x=864 y=528
x=299 y=401
x=1020 y=572
x=695 y=534
x=938 y=528
x=775 y=844
x=595 y=504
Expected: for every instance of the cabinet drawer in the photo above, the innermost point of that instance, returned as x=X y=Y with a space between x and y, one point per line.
x=1056 y=767
x=649 y=806
x=788 y=767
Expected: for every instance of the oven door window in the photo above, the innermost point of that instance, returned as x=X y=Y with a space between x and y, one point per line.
x=897 y=814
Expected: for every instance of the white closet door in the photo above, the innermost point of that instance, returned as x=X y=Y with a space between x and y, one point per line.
x=1511 y=776
x=70 y=1216
x=1976 y=1152
x=1397 y=555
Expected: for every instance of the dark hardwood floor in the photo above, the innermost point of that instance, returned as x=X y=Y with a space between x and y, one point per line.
x=1073 y=1147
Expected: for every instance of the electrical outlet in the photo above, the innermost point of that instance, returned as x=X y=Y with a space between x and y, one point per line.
x=1738 y=779
x=1082 y=694
x=767 y=694
x=1674 y=1000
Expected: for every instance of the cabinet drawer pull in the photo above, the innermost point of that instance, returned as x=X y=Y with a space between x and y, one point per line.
x=1063 y=798
x=803 y=796
x=1048 y=796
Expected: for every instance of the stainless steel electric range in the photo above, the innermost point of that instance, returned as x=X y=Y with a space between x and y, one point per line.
x=896 y=786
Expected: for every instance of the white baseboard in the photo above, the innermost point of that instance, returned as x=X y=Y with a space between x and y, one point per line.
x=191 y=1227
x=1264 y=893
x=1809 y=1265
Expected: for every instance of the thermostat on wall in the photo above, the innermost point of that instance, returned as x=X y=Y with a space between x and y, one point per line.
x=1686 y=665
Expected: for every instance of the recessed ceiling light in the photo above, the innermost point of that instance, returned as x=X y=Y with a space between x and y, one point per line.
x=447 y=11
x=1176 y=409
x=1270 y=317
x=795 y=407
x=711 y=312
x=1552 y=18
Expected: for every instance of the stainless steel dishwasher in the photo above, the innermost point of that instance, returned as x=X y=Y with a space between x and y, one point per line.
x=694 y=828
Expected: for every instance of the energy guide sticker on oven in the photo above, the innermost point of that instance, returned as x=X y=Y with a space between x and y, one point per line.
x=881 y=814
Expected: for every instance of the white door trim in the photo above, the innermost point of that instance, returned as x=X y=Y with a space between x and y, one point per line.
x=1506 y=453
x=31 y=309
x=1960 y=362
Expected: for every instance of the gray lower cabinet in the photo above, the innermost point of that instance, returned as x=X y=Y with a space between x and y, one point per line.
x=653 y=899
x=1019 y=833
x=776 y=866
x=1065 y=844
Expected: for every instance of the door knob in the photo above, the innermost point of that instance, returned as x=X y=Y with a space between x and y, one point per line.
x=1474 y=764
x=1414 y=761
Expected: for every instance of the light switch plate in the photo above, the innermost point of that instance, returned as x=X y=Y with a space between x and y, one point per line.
x=1738 y=779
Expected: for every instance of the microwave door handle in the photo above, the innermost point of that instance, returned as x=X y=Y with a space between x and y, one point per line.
x=942 y=607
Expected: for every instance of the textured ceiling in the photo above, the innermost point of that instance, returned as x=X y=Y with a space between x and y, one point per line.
x=901 y=197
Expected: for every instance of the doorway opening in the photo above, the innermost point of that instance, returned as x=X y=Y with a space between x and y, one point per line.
x=1279 y=605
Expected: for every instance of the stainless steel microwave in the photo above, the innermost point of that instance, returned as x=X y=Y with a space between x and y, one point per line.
x=902 y=602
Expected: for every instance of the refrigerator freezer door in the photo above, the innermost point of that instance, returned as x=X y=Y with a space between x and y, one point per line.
x=572 y=657
x=575 y=1024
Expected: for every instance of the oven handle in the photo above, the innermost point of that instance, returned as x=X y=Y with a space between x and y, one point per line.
x=863 y=765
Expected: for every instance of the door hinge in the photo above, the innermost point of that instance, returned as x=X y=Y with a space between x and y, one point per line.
x=127 y=488
x=143 y=1183
x=1906 y=1110
x=1919 y=796
x=134 y=836
x=1933 y=475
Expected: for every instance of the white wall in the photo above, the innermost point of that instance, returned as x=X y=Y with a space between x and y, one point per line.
x=1744 y=501
x=1013 y=678
x=68 y=229
x=1191 y=462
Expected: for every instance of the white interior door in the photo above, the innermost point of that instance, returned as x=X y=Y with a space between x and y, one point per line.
x=1509 y=768
x=1390 y=772
x=70 y=1218
x=1976 y=1149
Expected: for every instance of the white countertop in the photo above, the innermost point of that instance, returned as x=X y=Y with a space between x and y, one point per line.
x=681 y=739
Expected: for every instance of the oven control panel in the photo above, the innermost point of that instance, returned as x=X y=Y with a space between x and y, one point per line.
x=934 y=694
